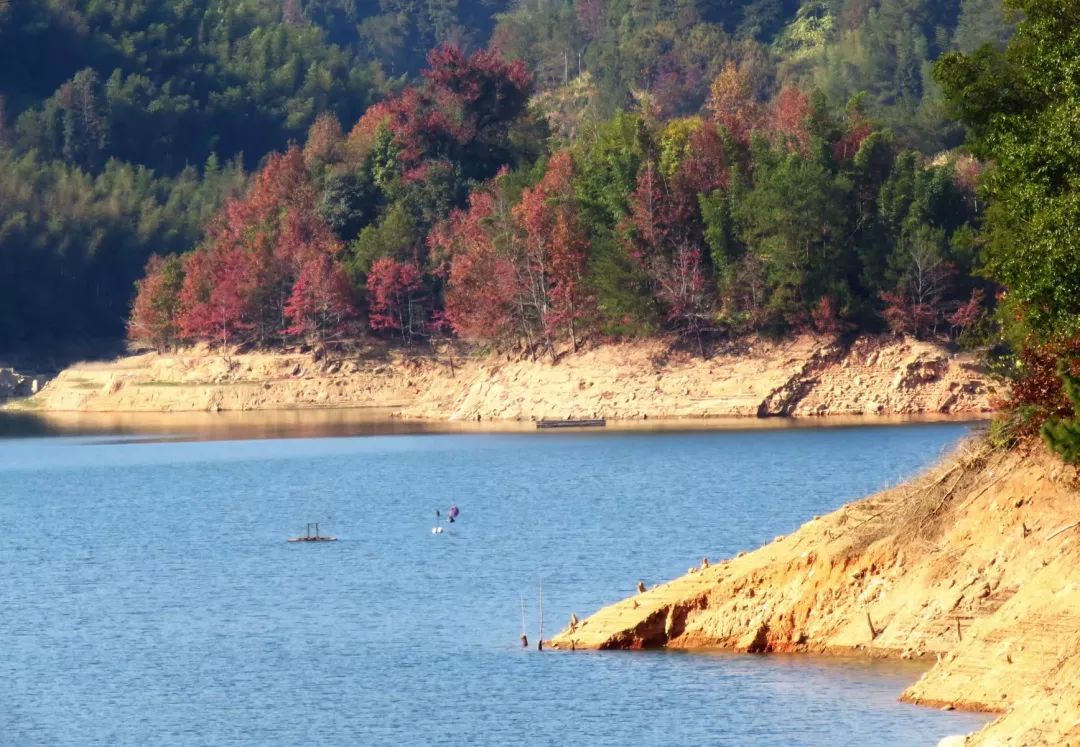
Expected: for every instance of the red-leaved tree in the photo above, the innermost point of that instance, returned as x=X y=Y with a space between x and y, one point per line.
x=788 y=115
x=464 y=100
x=321 y=302
x=969 y=313
x=858 y=129
x=554 y=262
x=394 y=301
x=664 y=236
x=477 y=246
x=240 y=282
x=825 y=317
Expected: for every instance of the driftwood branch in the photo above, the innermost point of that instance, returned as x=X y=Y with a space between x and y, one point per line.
x=1063 y=530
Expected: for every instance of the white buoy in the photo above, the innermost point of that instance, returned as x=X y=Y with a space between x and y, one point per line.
x=436 y=530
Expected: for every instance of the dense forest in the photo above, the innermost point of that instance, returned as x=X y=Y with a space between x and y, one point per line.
x=311 y=169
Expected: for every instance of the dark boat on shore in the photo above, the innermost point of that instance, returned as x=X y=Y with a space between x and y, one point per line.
x=596 y=423
x=309 y=537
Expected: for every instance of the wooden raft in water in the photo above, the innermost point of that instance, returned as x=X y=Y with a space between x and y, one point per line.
x=309 y=537
x=597 y=423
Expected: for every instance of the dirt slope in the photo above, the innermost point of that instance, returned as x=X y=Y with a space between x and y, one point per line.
x=804 y=376
x=966 y=565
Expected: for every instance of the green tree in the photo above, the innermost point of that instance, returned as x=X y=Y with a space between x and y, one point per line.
x=793 y=219
x=1020 y=108
x=1063 y=435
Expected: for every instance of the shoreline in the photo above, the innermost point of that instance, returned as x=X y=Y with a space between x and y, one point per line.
x=963 y=566
x=311 y=422
x=804 y=377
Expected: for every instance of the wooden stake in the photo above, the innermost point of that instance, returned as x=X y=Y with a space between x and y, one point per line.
x=524 y=637
x=958 y=636
x=870 y=623
x=540 y=640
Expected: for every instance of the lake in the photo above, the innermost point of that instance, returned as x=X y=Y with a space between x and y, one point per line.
x=150 y=596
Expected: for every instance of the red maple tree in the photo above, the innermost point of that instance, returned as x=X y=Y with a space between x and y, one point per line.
x=476 y=246
x=554 y=261
x=462 y=98
x=664 y=236
x=240 y=282
x=394 y=302
x=788 y=115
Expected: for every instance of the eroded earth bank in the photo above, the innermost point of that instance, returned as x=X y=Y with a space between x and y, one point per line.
x=804 y=376
x=976 y=565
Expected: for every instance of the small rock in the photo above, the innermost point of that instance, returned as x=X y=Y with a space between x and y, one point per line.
x=953 y=741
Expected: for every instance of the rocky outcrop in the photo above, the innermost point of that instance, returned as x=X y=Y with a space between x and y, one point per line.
x=785 y=399
x=976 y=566
x=883 y=374
x=648 y=379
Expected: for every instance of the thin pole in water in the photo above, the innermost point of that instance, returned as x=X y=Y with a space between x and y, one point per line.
x=540 y=641
x=524 y=637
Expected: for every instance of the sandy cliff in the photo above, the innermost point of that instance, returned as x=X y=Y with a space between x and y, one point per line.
x=804 y=376
x=972 y=566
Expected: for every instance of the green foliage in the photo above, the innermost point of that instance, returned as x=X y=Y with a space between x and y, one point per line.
x=166 y=84
x=73 y=244
x=716 y=213
x=1063 y=436
x=108 y=106
x=621 y=290
x=982 y=22
x=349 y=202
x=661 y=57
x=1020 y=106
x=791 y=217
x=395 y=235
x=608 y=157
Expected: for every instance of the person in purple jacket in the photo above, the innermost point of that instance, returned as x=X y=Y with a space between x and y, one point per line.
x=453 y=512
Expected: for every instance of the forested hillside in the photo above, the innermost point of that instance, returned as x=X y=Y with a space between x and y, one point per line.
x=125 y=127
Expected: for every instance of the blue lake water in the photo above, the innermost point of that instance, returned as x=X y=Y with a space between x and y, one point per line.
x=149 y=595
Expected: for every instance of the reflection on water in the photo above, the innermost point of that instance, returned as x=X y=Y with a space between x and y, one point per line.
x=313 y=423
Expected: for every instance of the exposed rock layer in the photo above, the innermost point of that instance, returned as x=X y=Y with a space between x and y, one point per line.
x=976 y=564
x=804 y=376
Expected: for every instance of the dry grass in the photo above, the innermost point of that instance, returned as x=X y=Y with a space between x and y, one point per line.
x=915 y=511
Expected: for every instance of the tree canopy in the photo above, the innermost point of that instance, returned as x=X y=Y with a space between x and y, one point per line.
x=1019 y=105
x=127 y=128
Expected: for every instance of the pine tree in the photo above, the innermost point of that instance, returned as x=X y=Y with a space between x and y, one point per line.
x=1063 y=436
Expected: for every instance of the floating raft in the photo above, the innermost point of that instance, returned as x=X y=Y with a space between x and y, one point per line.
x=597 y=423
x=309 y=537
